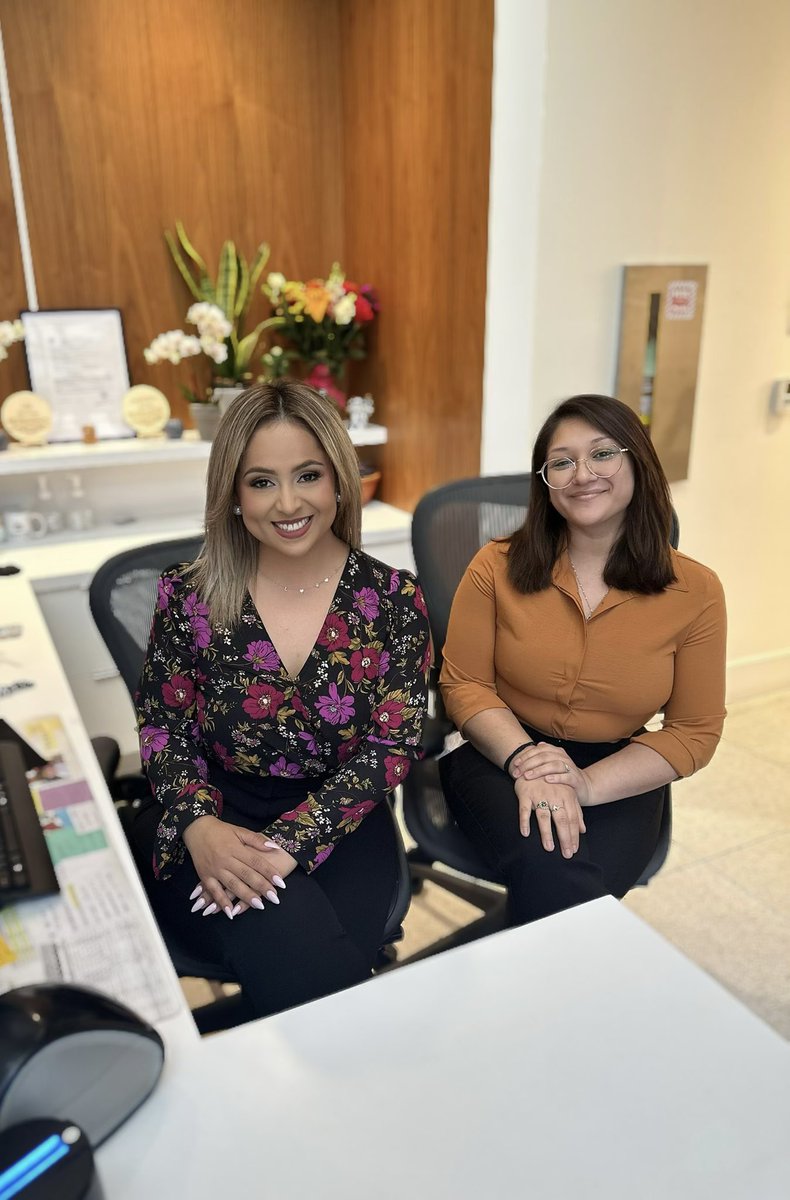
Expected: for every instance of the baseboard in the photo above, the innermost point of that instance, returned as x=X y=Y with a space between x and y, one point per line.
x=758 y=675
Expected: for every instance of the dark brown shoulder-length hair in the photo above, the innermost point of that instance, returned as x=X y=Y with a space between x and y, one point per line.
x=640 y=559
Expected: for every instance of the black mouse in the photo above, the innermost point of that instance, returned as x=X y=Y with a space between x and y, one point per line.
x=74 y=1053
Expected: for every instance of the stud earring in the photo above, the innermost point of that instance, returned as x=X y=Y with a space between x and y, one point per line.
x=337 y=497
x=237 y=510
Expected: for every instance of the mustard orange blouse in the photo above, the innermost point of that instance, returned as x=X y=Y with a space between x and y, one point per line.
x=597 y=680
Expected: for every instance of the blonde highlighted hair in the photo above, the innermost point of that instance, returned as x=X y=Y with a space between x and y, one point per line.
x=229 y=557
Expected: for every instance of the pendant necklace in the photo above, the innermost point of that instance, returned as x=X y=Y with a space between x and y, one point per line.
x=290 y=587
x=582 y=594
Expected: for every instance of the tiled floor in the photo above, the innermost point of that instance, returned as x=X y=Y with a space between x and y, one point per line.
x=723 y=896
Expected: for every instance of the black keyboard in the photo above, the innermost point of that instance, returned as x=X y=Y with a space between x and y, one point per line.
x=25 y=865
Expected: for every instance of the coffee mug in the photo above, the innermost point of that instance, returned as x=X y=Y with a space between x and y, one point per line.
x=24 y=525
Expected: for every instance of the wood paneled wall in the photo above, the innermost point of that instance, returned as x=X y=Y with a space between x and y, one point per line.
x=13 y=375
x=417 y=117
x=348 y=129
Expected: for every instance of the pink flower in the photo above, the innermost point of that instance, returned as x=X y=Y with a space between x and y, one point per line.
x=281 y=767
x=384 y=663
x=164 y=590
x=419 y=601
x=223 y=754
x=355 y=812
x=322 y=855
x=152 y=740
x=201 y=766
x=309 y=740
x=347 y=749
x=334 y=708
x=367 y=601
x=388 y=715
x=201 y=631
x=194 y=607
x=394 y=583
x=178 y=692
x=295 y=813
x=396 y=770
x=262 y=654
x=334 y=633
x=262 y=701
x=364 y=664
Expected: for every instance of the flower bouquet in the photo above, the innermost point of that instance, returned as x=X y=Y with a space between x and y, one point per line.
x=324 y=322
x=218 y=315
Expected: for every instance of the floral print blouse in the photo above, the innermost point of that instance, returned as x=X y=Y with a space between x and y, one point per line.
x=351 y=719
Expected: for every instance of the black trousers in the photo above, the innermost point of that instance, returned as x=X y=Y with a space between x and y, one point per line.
x=620 y=840
x=325 y=933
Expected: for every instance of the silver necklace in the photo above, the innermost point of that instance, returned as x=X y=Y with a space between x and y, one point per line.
x=582 y=592
x=290 y=587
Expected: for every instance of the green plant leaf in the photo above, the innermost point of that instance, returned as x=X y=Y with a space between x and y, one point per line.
x=243 y=293
x=184 y=270
x=227 y=279
x=246 y=347
x=258 y=263
x=189 y=248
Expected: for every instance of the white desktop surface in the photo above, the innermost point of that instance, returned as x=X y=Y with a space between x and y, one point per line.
x=579 y=1057
x=31 y=659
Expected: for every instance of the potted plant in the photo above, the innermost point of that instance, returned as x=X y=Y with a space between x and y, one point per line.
x=324 y=323
x=219 y=316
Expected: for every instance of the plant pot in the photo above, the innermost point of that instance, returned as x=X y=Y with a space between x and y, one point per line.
x=205 y=418
x=368 y=484
x=224 y=395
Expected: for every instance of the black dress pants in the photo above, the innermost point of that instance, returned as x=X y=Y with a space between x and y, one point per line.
x=620 y=840
x=324 y=934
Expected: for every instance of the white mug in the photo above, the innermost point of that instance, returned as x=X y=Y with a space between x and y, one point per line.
x=24 y=525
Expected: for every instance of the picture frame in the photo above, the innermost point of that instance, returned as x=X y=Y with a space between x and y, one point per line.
x=76 y=360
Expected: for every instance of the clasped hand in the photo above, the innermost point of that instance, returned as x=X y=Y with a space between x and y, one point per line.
x=236 y=867
x=548 y=782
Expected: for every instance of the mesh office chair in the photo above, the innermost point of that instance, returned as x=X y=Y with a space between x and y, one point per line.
x=122 y=599
x=450 y=524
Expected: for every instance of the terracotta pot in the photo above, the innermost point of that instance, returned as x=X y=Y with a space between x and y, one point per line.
x=368 y=485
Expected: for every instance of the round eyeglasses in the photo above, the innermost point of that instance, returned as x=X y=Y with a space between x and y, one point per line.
x=603 y=462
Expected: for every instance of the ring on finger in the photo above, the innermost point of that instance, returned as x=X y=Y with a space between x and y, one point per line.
x=566 y=768
x=542 y=804
x=556 y=807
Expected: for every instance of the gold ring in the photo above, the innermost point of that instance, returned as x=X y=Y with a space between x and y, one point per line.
x=556 y=807
x=567 y=769
x=542 y=804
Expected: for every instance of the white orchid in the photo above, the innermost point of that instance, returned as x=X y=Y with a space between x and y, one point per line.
x=172 y=346
x=10 y=332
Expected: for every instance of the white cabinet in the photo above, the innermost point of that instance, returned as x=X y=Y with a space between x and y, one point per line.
x=138 y=491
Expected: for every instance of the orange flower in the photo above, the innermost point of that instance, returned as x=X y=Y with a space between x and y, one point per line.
x=316 y=300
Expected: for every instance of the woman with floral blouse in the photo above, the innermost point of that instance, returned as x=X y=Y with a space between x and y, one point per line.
x=281 y=700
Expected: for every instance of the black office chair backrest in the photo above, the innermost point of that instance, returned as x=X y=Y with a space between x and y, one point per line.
x=122 y=599
x=450 y=525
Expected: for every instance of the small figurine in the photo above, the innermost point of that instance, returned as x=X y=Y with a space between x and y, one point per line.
x=360 y=410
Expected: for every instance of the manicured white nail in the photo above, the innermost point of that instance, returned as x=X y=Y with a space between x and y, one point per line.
x=277 y=881
x=228 y=911
x=236 y=910
x=198 y=904
x=196 y=892
x=212 y=908
x=272 y=895
x=256 y=902
x=271 y=846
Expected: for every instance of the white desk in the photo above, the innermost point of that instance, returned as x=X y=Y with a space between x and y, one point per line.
x=579 y=1057
x=31 y=658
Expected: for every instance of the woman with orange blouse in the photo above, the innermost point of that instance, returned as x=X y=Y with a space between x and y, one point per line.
x=563 y=642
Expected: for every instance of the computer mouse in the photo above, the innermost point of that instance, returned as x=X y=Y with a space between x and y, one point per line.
x=73 y=1053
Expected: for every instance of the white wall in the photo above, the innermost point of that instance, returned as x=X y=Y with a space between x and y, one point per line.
x=665 y=138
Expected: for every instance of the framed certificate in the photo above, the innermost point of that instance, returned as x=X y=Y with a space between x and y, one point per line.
x=76 y=360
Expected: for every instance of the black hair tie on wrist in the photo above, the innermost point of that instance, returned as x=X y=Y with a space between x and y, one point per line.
x=510 y=757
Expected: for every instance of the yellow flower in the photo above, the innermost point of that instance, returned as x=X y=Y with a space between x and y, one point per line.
x=295 y=295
